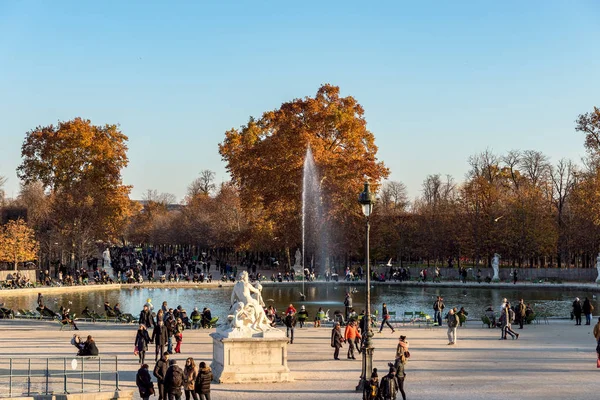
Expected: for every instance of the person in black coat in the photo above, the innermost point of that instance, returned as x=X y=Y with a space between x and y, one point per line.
x=146 y=317
x=336 y=340
x=577 y=309
x=290 y=323
x=160 y=336
x=160 y=372
x=144 y=382
x=203 y=380
x=141 y=342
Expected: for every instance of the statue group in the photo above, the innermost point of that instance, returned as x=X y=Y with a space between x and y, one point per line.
x=247 y=316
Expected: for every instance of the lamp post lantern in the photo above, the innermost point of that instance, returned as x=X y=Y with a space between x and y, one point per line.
x=367 y=199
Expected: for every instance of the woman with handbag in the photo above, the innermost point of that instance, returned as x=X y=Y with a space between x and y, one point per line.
x=144 y=382
x=402 y=348
x=141 y=343
x=385 y=318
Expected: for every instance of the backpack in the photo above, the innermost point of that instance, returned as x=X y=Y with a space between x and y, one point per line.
x=177 y=377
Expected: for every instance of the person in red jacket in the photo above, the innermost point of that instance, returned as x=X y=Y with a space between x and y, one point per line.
x=290 y=309
x=350 y=335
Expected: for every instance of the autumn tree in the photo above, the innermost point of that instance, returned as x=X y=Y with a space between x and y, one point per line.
x=80 y=165
x=17 y=243
x=265 y=160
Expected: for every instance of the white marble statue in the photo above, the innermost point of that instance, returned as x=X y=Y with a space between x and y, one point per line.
x=496 y=267
x=106 y=258
x=247 y=316
x=598 y=268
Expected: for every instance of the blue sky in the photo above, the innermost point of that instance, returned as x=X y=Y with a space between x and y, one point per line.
x=439 y=81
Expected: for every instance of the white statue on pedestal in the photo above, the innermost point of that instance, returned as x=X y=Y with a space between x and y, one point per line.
x=496 y=267
x=598 y=268
x=247 y=316
x=298 y=262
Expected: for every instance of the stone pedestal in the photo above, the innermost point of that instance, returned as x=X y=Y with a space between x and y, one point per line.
x=250 y=359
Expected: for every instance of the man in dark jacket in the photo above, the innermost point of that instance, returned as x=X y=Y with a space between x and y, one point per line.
x=203 y=380
x=171 y=324
x=160 y=372
x=146 y=318
x=389 y=385
x=577 y=309
x=159 y=338
x=521 y=313
x=290 y=323
x=174 y=381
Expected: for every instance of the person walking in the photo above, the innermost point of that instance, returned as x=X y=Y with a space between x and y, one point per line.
x=174 y=381
x=577 y=309
x=350 y=335
x=336 y=340
x=438 y=308
x=506 y=320
x=203 y=381
x=453 y=322
x=190 y=373
x=587 y=309
x=388 y=388
x=159 y=338
x=521 y=313
x=144 y=382
x=290 y=323
x=347 y=304
x=160 y=372
x=385 y=318
x=141 y=342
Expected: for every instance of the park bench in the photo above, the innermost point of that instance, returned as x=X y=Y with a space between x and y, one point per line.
x=408 y=317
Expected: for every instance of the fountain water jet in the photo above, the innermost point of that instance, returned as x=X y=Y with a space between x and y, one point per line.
x=314 y=222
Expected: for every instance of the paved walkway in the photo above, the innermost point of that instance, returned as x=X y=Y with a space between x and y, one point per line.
x=555 y=361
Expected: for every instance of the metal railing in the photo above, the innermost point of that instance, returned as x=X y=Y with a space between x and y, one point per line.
x=29 y=376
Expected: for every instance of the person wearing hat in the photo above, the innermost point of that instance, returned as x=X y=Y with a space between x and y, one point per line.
x=577 y=310
x=302 y=316
x=336 y=340
x=371 y=389
x=402 y=347
x=389 y=385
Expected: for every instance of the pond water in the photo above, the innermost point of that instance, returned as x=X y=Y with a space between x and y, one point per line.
x=556 y=302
